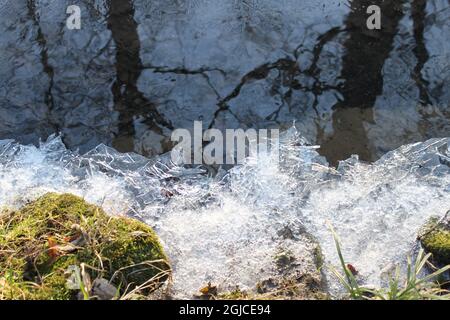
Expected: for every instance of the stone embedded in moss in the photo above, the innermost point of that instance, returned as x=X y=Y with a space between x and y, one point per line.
x=435 y=239
x=42 y=240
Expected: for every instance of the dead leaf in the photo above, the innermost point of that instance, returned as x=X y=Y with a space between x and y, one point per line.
x=352 y=269
x=52 y=251
x=209 y=290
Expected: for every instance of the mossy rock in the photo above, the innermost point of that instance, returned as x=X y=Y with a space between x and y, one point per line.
x=296 y=277
x=435 y=239
x=46 y=238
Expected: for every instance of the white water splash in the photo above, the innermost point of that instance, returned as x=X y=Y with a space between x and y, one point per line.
x=226 y=229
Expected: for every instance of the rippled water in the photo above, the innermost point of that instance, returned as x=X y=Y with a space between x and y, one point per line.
x=138 y=69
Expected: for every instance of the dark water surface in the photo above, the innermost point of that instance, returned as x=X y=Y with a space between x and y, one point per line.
x=139 y=69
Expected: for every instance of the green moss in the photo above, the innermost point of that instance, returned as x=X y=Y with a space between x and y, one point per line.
x=236 y=294
x=435 y=239
x=318 y=257
x=39 y=243
x=437 y=242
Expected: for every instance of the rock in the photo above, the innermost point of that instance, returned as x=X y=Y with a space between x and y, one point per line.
x=102 y=289
x=297 y=274
x=37 y=248
x=435 y=238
